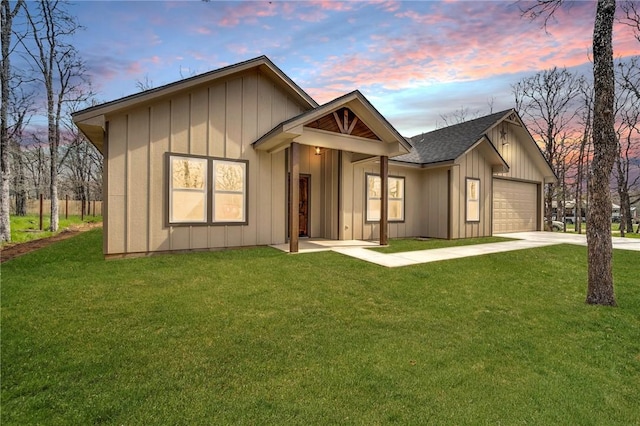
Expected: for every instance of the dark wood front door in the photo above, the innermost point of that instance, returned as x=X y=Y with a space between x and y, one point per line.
x=304 y=206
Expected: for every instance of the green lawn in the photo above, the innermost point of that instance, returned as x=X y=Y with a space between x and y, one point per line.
x=615 y=230
x=256 y=336
x=27 y=228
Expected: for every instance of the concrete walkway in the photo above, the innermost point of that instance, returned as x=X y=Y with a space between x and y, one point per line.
x=524 y=240
x=394 y=260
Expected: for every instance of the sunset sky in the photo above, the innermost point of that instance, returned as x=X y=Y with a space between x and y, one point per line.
x=413 y=60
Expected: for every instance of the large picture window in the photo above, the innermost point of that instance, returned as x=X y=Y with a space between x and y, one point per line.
x=206 y=190
x=395 y=189
x=473 y=200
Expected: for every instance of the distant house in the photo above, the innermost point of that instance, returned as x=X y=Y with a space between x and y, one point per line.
x=242 y=156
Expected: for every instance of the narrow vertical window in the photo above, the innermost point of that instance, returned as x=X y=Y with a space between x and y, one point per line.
x=187 y=189
x=374 y=194
x=396 y=199
x=473 y=200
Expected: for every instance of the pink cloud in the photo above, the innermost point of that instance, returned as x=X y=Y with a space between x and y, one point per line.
x=240 y=49
x=134 y=68
x=466 y=41
x=203 y=31
x=339 y=6
x=246 y=13
x=387 y=5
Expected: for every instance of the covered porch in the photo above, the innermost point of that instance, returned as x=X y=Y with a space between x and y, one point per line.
x=316 y=140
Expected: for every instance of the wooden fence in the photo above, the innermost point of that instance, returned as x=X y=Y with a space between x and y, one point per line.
x=65 y=208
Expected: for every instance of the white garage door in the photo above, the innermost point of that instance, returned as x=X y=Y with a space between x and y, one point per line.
x=514 y=206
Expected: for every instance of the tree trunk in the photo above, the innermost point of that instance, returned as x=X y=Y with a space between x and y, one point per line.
x=5 y=73
x=20 y=186
x=625 y=211
x=549 y=207
x=621 y=185
x=582 y=168
x=53 y=164
x=5 y=203
x=600 y=281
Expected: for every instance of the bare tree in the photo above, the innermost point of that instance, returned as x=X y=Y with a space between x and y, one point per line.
x=458 y=116
x=628 y=132
x=549 y=102
x=20 y=110
x=583 y=153
x=61 y=72
x=463 y=114
x=599 y=247
x=19 y=179
x=631 y=12
x=628 y=79
x=146 y=84
x=82 y=168
x=7 y=13
x=35 y=167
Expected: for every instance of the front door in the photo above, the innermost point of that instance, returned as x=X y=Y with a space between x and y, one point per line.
x=304 y=206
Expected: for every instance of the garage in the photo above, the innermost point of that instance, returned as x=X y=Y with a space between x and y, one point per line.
x=515 y=206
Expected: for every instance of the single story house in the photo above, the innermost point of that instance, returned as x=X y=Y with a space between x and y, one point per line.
x=242 y=156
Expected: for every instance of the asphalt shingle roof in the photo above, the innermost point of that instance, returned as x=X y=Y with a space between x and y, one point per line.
x=449 y=142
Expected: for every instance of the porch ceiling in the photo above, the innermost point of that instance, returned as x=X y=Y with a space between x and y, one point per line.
x=349 y=123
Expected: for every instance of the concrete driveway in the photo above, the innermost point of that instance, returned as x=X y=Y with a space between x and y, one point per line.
x=577 y=239
x=524 y=240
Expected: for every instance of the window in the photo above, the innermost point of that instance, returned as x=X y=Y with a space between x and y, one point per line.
x=229 y=191
x=206 y=190
x=395 y=189
x=188 y=190
x=473 y=200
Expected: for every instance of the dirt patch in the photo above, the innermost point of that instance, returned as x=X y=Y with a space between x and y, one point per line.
x=11 y=251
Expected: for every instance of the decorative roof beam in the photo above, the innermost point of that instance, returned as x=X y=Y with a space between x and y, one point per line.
x=335 y=115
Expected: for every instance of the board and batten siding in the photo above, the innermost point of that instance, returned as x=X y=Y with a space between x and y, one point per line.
x=435 y=203
x=471 y=165
x=515 y=154
x=220 y=119
x=354 y=224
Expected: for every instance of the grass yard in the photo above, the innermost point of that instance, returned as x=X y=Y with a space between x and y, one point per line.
x=27 y=228
x=256 y=336
x=615 y=230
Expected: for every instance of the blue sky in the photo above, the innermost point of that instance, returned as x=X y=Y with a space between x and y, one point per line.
x=413 y=60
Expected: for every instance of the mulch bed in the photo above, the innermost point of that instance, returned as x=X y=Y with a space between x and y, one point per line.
x=11 y=251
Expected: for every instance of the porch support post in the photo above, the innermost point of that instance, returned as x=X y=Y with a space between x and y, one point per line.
x=294 y=197
x=384 y=200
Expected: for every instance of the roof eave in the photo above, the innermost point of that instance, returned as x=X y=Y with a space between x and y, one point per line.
x=263 y=63
x=94 y=130
x=484 y=144
x=538 y=158
x=294 y=129
x=422 y=166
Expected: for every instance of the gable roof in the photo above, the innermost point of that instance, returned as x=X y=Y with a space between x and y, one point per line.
x=91 y=121
x=384 y=138
x=445 y=145
x=449 y=143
